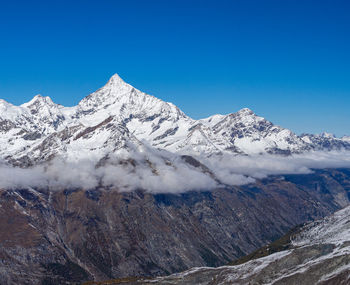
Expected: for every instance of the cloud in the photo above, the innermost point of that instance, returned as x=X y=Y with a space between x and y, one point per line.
x=163 y=172
x=154 y=174
x=260 y=166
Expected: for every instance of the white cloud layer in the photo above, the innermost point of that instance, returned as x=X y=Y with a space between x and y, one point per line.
x=260 y=166
x=168 y=174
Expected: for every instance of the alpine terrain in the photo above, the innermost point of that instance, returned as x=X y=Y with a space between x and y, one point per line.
x=127 y=185
x=119 y=117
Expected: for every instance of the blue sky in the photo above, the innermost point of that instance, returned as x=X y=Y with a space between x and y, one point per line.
x=288 y=61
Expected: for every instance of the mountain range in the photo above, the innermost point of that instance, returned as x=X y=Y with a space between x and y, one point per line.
x=119 y=118
x=125 y=184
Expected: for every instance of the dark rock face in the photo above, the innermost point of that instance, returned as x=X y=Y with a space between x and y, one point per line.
x=76 y=235
x=316 y=253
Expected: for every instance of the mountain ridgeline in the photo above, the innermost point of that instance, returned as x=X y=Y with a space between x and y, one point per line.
x=120 y=117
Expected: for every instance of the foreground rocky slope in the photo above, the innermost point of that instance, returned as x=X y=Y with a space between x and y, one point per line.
x=318 y=254
x=65 y=237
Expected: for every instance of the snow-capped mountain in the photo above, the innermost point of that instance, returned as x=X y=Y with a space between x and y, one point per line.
x=326 y=141
x=118 y=116
x=252 y=134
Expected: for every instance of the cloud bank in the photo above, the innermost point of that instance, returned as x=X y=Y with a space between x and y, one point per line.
x=124 y=175
x=165 y=174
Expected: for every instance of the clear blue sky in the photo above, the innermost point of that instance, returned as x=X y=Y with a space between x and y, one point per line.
x=288 y=61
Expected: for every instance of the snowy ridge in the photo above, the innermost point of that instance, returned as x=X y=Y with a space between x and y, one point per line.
x=118 y=122
x=154 y=121
x=334 y=229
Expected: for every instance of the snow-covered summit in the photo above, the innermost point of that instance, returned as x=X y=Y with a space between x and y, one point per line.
x=327 y=135
x=39 y=100
x=120 y=108
x=119 y=98
x=114 y=89
x=116 y=80
x=245 y=112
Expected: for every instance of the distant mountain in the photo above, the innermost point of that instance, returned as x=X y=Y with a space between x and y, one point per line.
x=119 y=117
x=326 y=141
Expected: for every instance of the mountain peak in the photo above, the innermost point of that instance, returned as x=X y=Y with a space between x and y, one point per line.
x=116 y=86
x=245 y=111
x=116 y=83
x=115 y=79
x=327 y=135
x=39 y=100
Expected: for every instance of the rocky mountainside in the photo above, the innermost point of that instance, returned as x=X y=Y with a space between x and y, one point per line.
x=317 y=254
x=40 y=130
x=74 y=235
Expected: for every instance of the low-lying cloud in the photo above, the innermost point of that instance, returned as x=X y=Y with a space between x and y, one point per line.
x=151 y=175
x=227 y=167
x=167 y=173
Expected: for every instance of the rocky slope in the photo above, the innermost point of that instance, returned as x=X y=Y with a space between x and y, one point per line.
x=69 y=236
x=319 y=253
